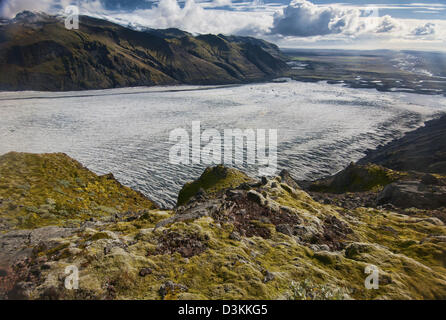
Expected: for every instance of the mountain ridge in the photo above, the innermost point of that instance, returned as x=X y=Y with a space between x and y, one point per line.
x=38 y=53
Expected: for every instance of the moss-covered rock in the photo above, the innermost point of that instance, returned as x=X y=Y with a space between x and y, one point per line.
x=357 y=178
x=52 y=189
x=211 y=181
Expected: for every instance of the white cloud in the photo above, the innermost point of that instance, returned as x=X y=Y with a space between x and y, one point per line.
x=426 y=30
x=193 y=17
x=302 y=18
x=10 y=8
x=300 y=22
x=388 y=24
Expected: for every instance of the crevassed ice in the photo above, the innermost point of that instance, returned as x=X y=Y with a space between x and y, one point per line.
x=321 y=127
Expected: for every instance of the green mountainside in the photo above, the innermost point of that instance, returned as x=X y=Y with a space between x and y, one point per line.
x=37 y=52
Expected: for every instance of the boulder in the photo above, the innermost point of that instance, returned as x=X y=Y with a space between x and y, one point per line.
x=286 y=178
x=413 y=194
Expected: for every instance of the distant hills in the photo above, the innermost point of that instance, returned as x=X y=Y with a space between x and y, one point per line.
x=37 y=52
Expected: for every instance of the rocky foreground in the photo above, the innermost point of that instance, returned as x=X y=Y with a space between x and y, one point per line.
x=231 y=237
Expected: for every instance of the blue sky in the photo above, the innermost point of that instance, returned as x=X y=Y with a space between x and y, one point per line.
x=398 y=9
x=377 y=24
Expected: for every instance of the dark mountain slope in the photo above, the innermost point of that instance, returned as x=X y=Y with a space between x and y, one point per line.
x=38 y=53
x=422 y=150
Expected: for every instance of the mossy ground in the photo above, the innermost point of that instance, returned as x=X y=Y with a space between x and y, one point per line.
x=236 y=269
x=206 y=258
x=53 y=189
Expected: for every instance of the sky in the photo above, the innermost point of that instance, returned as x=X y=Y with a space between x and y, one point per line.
x=347 y=24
